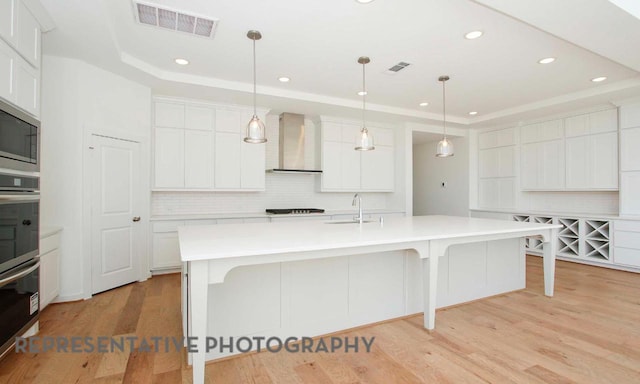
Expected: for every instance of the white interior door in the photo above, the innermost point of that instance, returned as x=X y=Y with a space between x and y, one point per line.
x=116 y=235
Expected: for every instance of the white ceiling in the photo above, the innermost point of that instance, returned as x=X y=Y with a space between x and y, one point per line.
x=317 y=45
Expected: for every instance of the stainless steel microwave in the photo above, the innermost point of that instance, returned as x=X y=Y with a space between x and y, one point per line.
x=19 y=140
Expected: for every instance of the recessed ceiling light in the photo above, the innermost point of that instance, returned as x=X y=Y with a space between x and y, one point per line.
x=599 y=79
x=182 y=61
x=364 y=1
x=362 y=93
x=547 y=60
x=473 y=113
x=284 y=79
x=424 y=104
x=473 y=35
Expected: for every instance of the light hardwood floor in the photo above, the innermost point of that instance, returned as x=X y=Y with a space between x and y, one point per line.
x=588 y=333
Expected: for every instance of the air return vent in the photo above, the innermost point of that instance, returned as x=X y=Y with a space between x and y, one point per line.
x=167 y=18
x=397 y=68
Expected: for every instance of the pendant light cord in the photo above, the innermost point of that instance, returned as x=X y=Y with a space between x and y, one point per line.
x=364 y=97
x=254 y=77
x=444 y=112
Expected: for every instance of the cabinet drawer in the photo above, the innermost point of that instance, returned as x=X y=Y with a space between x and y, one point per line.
x=627 y=239
x=49 y=243
x=627 y=256
x=167 y=226
x=624 y=225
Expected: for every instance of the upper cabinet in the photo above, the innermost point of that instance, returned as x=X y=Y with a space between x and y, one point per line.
x=199 y=147
x=575 y=153
x=497 y=168
x=19 y=56
x=346 y=170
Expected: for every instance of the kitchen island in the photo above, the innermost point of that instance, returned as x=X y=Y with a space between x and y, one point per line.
x=212 y=253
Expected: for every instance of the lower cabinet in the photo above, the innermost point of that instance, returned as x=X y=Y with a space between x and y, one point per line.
x=627 y=243
x=49 y=267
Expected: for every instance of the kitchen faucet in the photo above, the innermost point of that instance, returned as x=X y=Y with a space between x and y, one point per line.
x=357 y=199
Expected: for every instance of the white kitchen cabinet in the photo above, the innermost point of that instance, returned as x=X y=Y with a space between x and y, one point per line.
x=497 y=162
x=199 y=146
x=377 y=168
x=28 y=35
x=545 y=131
x=166 y=251
x=497 y=193
x=169 y=114
x=227 y=160
x=7 y=70
x=27 y=86
x=629 y=149
x=627 y=243
x=592 y=123
x=198 y=159
x=630 y=115
x=346 y=170
x=592 y=162
x=498 y=138
x=8 y=21
x=169 y=158
x=542 y=165
x=49 y=267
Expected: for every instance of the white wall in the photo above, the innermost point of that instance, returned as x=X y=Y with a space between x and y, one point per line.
x=78 y=100
x=429 y=172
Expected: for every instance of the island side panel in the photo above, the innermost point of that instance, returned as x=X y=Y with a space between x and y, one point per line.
x=314 y=297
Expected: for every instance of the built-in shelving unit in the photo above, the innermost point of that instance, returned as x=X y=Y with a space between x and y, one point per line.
x=569 y=237
x=597 y=240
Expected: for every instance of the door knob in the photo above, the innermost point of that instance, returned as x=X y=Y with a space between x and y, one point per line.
x=136 y=219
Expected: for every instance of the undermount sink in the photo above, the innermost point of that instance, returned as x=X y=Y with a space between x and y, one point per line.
x=348 y=221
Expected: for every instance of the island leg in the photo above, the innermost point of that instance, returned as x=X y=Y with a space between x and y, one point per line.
x=198 y=289
x=430 y=285
x=549 y=261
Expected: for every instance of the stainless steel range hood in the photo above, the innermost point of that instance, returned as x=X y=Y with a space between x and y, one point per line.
x=291 y=145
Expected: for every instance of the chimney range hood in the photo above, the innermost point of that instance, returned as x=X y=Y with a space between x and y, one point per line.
x=291 y=145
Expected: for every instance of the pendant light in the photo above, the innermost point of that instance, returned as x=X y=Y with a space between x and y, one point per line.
x=445 y=148
x=255 y=133
x=364 y=142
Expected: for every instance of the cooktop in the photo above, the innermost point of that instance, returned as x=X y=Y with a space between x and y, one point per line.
x=294 y=211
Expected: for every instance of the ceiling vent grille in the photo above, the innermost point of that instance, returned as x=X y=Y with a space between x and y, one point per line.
x=171 y=19
x=397 y=68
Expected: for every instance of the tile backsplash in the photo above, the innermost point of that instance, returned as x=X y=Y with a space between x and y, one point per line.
x=571 y=202
x=282 y=191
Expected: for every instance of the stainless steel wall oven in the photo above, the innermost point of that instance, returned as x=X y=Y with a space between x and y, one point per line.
x=19 y=260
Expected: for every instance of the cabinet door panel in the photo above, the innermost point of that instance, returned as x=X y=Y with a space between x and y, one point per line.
x=27 y=84
x=578 y=162
x=629 y=145
x=252 y=172
x=377 y=169
x=169 y=158
x=529 y=133
x=506 y=193
x=552 y=130
x=8 y=20
x=331 y=131
x=576 y=125
x=506 y=162
x=488 y=193
x=7 y=68
x=630 y=116
x=169 y=115
x=489 y=162
x=382 y=136
x=488 y=139
x=507 y=136
x=350 y=164
x=553 y=164
x=198 y=159
x=228 y=120
x=349 y=134
x=604 y=160
x=28 y=42
x=331 y=170
x=227 y=160
x=166 y=250
x=529 y=166
x=197 y=117
x=604 y=121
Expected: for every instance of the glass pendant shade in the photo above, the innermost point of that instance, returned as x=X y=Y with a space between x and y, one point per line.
x=445 y=148
x=364 y=142
x=255 y=133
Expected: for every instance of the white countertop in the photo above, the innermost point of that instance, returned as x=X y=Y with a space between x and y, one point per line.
x=562 y=214
x=209 y=242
